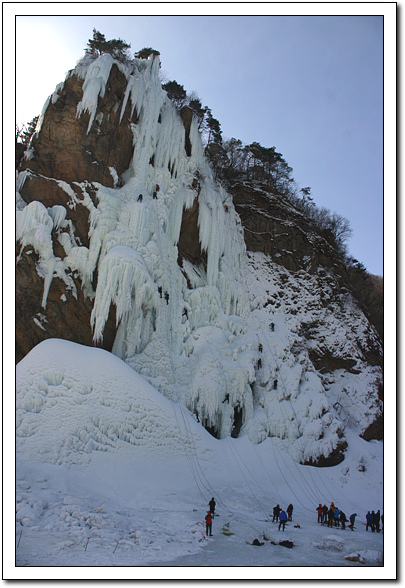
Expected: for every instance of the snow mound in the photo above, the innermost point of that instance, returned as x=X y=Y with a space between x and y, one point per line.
x=366 y=556
x=73 y=400
x=330 y=543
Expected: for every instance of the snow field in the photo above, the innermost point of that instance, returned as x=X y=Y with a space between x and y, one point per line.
x=133 y=490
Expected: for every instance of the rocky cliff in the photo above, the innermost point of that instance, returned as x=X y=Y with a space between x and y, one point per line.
x=66 y=161
x=160 y=276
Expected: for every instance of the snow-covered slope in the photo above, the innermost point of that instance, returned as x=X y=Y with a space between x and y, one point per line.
x=303 y=404
x=193 y=330
x=112 y=473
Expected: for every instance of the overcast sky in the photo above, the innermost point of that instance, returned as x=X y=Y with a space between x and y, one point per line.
x=312 y=86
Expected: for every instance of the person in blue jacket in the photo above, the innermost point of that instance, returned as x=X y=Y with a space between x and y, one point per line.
x=336 y=516
x=282 y=518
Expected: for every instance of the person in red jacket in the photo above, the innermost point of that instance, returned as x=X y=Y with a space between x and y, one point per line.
x=208 y=523
x=320 y=513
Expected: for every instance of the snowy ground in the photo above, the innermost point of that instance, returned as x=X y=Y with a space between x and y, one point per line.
x=110 y=473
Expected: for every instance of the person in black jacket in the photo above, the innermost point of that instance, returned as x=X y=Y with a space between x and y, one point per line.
x=377 y=521
x=290 y=509
x=276 y=512
x=352 y=521
x=369 y=521
x=331 y=513
x=212 y=504
x=343 y=519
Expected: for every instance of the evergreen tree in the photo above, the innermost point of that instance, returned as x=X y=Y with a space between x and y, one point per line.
x=176 y=93
x=369 y=291
x=24 y=134
x=119 y=49
x=306 y=193
x=199 y=111
x=98 y=45
x=214 y=129
x=146 y=52
x=236 y=156
x=216 y=154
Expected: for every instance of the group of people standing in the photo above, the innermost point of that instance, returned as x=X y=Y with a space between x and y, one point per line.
x=282 y=516
x=333 y=516
x=373 y=521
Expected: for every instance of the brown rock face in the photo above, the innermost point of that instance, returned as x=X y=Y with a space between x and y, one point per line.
x=65 y=150
x=68 y=159
x=187 y=116
x=272 y=225
x=65 y=154
x=50 y=193
x=189 y=245
x=66 y=316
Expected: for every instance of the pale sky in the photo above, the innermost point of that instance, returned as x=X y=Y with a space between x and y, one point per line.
x=312 y=86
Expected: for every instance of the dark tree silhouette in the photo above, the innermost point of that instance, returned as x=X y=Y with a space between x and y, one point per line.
x=176 y=93
x=24 y=134
x=146 y=52
x=98 y=45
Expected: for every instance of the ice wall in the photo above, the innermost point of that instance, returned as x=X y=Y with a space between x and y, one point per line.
x=193 y=331
x=133 y=251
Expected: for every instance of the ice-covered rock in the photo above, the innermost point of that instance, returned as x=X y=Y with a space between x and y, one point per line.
x=120 y=219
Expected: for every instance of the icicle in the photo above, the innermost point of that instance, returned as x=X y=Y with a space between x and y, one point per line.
x=133 y=248
x=58 y=214
x=97 y=75
x=123 y=281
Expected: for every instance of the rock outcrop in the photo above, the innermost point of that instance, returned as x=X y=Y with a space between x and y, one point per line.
x=67 y=161
x=275 y=227
x=63 y=159
x=66 y=149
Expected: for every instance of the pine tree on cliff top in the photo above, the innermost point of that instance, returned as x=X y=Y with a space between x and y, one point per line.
x=176 y=93
x=98 y=45
x=146 y=52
